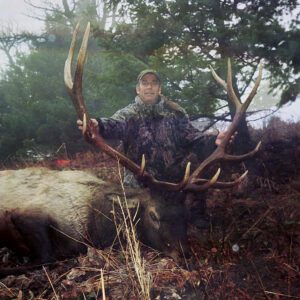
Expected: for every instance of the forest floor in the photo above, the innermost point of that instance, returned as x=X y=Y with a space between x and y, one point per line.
x=250 y=250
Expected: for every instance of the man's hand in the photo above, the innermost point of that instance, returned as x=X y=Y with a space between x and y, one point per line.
x=93 y=121
x=221 y=136
x=91 y=131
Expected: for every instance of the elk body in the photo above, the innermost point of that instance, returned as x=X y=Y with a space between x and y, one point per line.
x=50 y=214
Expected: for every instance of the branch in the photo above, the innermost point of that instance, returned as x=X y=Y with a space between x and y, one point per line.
x=248 y=82
x=51 y=9
x=40 y=7
x=265 y=116
x=222 y=117
x=9 y=40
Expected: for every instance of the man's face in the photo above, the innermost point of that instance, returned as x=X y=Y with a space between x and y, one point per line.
x=148 y=88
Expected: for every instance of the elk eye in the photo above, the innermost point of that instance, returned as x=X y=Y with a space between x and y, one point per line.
x=153 y=217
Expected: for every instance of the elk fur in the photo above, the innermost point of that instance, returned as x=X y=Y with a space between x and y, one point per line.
x=50 y=214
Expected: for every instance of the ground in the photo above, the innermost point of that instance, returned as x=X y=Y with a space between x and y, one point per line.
x=250 y=250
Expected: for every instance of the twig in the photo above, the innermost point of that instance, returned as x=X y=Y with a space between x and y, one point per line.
x=102 y=285
x=70 y=237
x=259 y=278
x=49 y=279
x=8 y=289
x=280 y=294
x=272 y=112
x=208 y=280
x=290 y=259
x=255 y=223
x=290 y=267
x=58 y=279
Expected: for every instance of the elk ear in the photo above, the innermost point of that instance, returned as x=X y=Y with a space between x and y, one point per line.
x=132 y=201
x=113 y=197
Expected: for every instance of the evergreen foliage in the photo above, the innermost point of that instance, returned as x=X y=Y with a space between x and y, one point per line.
x=179 y=38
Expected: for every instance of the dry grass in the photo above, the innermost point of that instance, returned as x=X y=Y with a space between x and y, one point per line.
x=140 y=278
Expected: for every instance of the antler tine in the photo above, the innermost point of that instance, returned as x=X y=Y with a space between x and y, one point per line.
x=143 y=166
x=67 y=70
x=220 y=184
x=75 y=88
x=228 y=86
x=79 y=70
x=219 y=153
x=169 y=185
x=206 y=183
x=254 y=90
x=231 y=93
x=218 y=78
x=249 y=154
x=240 y=107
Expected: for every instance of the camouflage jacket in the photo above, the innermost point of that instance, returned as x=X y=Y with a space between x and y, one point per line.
x=162 y=132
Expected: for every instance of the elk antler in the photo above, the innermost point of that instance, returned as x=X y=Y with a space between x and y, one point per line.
x=189 y=183
x=75 y=88
x=91 y=131
x=219 y=153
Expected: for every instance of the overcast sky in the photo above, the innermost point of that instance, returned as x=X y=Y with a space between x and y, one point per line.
x=13 y=12
x=17 y=12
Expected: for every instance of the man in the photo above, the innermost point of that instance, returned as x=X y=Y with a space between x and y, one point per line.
x=160 y=129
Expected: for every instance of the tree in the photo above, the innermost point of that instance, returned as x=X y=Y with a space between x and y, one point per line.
x=10 y=41
x=36 y=110
x=198 y=33
x=182 y=38
x=178 y=38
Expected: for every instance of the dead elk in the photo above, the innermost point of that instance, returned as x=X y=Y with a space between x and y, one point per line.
x=53 y=214
x=50 y=214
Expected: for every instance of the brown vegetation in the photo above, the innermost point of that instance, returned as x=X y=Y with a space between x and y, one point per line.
x=250 y=251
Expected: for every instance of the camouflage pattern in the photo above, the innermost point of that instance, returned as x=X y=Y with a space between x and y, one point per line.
x=162 y=132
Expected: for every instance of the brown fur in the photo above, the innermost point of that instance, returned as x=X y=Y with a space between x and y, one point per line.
x=10 y=236
x=50 y=214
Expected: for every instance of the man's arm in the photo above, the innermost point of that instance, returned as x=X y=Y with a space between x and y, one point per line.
x=109 y=128
x=114 y=127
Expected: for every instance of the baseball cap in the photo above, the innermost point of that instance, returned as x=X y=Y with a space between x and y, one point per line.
x=148 y=71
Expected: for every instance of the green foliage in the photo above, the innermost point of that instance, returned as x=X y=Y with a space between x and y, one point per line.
x=196 y=33
x=36 y=105
x=110 y=79
x=178 y=38
x=187 y=79
x=36 y=111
